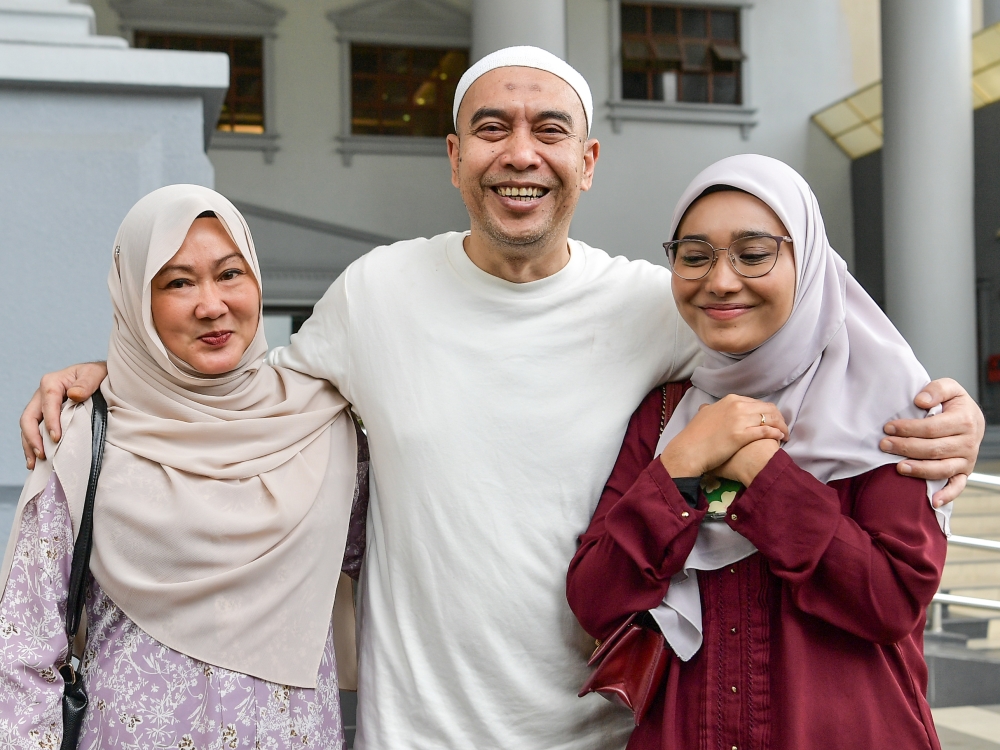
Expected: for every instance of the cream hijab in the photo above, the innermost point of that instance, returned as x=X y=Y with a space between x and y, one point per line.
x=223 y=504
x=838 y=370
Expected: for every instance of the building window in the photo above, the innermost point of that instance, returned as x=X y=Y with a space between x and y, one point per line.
x=404 y=91
x=673 y=53
x=243 y=110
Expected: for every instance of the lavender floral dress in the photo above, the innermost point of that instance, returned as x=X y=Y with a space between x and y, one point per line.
x=142 y=694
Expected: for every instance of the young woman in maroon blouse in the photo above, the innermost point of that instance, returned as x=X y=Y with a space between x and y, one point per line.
x=794 y=603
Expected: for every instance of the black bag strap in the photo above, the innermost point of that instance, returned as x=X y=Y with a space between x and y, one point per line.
x=85 y=539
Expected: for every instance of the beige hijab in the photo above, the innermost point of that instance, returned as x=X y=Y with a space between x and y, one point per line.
x=222 y=508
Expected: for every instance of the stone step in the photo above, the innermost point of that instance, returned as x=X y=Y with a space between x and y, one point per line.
x=983 y=526
x=974 y=500
x=960 y=677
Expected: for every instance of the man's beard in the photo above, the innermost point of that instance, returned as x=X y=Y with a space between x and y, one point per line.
x=519 y=244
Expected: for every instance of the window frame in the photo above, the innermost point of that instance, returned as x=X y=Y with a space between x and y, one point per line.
x=220 y=19
x=620 y=110
x=426 y=23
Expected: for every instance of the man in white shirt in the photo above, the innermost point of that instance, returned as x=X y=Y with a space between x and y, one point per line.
x=495 y=371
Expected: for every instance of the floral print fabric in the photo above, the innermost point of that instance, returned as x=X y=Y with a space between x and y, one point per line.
x=142 y=694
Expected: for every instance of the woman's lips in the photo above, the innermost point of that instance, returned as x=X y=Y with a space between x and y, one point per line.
x=726 y=312
x=216 y=338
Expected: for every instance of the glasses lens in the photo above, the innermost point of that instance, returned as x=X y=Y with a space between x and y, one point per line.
x=690 y=259
x=754 y=256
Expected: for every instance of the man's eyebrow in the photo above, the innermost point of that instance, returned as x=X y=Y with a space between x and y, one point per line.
x=485 y=112
x=555 y=114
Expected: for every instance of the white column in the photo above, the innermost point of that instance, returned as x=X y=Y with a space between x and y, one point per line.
x=496 y=24
x=927 y=183
x=991 y=12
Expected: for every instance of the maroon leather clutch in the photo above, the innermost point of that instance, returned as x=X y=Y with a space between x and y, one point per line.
x=630 y=666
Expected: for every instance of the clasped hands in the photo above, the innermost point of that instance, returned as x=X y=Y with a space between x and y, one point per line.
x=732 y=438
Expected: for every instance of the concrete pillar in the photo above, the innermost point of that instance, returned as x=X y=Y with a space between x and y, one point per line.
x=87 y=127
x=495 y=25
x=927 y=189
x=991 y=12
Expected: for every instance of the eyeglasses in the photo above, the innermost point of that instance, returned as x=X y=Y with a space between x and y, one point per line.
x=752 y=257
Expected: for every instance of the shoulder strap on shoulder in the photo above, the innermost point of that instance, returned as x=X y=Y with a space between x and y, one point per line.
x=85 y=539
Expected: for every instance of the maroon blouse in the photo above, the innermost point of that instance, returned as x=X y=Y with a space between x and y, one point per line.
x=816 y=641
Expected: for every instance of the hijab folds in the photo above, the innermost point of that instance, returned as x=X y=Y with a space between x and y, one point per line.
x=837 y=370
x=223 y=503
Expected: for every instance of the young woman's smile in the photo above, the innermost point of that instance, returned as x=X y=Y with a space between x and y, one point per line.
x=730 y=312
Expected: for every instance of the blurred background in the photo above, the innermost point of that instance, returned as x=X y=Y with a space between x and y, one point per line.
x=324 y=121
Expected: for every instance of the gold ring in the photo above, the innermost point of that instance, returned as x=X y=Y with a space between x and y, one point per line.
x=763 y=420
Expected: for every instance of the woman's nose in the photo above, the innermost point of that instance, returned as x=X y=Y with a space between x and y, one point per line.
x=210 y=303
x=723 y=279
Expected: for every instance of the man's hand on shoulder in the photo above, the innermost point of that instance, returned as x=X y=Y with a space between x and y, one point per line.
x=78 y=383
x=944 y=446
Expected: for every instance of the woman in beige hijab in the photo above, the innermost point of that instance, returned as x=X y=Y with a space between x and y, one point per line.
x=220 y=520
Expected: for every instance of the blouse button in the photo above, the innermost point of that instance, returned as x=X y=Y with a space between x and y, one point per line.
x=732 y=630
x=732 y=570
x=685 y=514
x=734 y=688
x=733 y=516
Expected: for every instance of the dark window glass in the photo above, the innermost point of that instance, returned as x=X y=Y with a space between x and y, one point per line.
x=724 y=90
x=664 y=21
x=243 y=110
x=694 y=87
x=633 y=19
x=699 y=48
x=634 y=85
x=694 y=23
x=724 y=25
x=406 y=91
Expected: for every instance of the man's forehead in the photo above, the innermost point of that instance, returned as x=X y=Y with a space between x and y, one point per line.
x=501 y=87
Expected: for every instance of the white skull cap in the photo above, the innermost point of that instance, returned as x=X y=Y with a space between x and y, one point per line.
x=527 y=57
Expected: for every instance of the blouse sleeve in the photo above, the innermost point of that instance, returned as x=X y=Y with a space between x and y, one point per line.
x=864 y=554
x=32 y=622
x=640 y=535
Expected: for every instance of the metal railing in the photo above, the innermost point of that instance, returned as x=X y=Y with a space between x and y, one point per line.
x=937 y=605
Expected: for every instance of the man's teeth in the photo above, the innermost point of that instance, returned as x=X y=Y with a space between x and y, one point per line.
x=521 y=193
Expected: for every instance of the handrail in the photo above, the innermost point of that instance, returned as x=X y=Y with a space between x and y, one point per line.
x=971 y=541
x=937 y=607
x=984 y=480
x=967 y=601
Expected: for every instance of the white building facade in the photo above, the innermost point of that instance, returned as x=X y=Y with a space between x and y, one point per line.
x=323 y=174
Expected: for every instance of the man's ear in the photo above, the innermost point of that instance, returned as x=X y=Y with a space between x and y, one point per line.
x=591 y=150
x=454 y=156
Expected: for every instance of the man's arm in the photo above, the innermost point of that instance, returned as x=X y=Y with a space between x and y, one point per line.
x=944 y=446
x=78 y=382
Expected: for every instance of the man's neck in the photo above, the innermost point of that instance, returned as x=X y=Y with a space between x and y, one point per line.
x=516 y=264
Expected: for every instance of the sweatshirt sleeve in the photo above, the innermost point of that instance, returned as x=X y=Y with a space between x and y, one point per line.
x=640 y=535
x=33 y=619
x=321 y=348
x=864 y=554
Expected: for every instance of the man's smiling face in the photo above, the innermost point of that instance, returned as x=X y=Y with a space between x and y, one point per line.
x=521 y=157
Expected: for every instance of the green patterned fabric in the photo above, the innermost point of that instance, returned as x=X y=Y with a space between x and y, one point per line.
x=719 y=492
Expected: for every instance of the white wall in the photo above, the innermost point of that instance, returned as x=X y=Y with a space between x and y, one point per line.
x=71 y=166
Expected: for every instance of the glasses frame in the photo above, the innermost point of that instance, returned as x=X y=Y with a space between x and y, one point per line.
x=729 y=252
